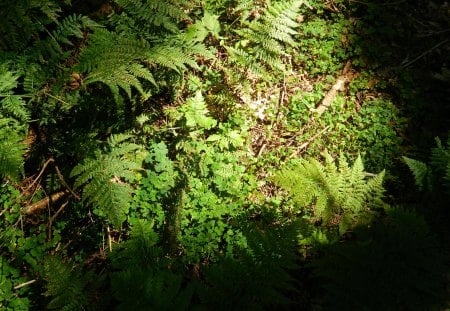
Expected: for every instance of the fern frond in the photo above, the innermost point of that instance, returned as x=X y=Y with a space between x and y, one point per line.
x=332 y=190
x=249 y=284
x=21 y=21
x=11 y=105
x=440 y=157
x=66 y=285
x=436 y=172
x=114 y=60
x=14 y=118
x=155 y=17
x=141 y=279
x=265 y=38
x=14 y=106
x=420 y=171
x=11 y=150
x=105 y=179
x=72 y=26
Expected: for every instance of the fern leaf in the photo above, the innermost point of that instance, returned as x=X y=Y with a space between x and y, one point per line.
x=14 y=117
x=105 y=179
x=420 y=171
x=66 y=285
x=440 y=156
x=155 y=16
x=332 y=189
x=264 y=38
x=11 y=150
x=21 y=21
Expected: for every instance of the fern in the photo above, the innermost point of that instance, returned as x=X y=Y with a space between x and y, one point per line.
x=66 y=285
x=146 y=38
x=70 y=287
x=420 y=171
x=11 y=150
x=250 y=283
x=333 y=193
x=113 y=59
x=263 y=40
x=14 y=117
x=141 y=280
x=12 y=106
x=440 y=159
x=152 y=17
x=104 y=179
x=53 y=49
x=21 y=21
x=395 y=264
x=436 y=172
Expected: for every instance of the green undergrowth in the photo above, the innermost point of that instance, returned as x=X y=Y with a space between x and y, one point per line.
x=231 y=155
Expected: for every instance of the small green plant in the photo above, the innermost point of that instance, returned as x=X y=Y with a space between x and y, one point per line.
x=323 y=45
x=67 y=285
x=245 y=281
x=10 y=297
x=23 y=250
x=198 y=186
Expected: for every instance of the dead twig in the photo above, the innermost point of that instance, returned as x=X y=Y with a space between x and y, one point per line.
x=309 y=141
x=407 y=64
x=24 y=284
x=331 y=95
x=51 y=160
x=50 y=221
x=281 y=100
x=261 y=149
x=109 y=239
x=65 y=184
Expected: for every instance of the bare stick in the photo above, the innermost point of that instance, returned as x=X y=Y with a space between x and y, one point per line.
x=281 y=100
x=261 y=149
x=42 y=204
x=306 y=144
x=50 y=222
x=51 y=160
x=24 y=284
x=109 y=239
x=331 y=95
x=338 y=86
x=424 y=54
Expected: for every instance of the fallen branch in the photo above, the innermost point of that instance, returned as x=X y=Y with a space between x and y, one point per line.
x=42 y=204
x=332 y=93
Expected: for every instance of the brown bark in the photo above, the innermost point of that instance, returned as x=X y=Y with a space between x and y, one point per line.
x=42 y=204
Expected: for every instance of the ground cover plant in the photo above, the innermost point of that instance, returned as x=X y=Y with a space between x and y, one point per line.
x=224 y=154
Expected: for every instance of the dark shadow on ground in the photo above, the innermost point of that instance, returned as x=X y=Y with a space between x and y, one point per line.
x=408 y=44
x=395 y=264
x=401 y=262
